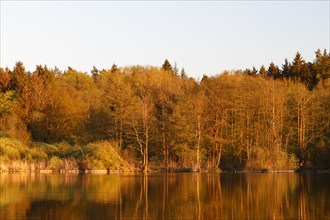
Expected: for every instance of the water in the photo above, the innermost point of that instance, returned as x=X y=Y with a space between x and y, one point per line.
x=165 y=196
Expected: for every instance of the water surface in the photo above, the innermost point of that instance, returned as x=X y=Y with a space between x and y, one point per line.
x=165 y=196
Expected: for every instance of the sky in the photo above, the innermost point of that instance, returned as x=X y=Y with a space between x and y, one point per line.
x=204 y=37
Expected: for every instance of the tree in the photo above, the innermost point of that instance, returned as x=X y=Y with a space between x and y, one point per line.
x=263 y=71
x=20 y=83
x=165 y=92
x=322 y=66
x=15 y=102
x=273 y=71
x=310 y=118
x=167 y=67
x=183 y=122
x=274 y=112
x=69 y=107
x=217 y=90
x=143 y=120
x=286 y=69
x=95 y=73
x=20 y=78
x=5 y=79
x=199 y=105
x=114 y=68
x=175 y=70
x=252 y=72
x=117 y=96
x=42 y=84
x=7 y=102
x=183 y=73
x=300 y=70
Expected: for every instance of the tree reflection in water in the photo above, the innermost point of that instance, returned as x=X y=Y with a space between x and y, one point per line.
x=165 y=196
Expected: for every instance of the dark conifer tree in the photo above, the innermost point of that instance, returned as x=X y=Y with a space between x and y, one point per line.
x=254 y=71
x=286 y=69
x=262 y=71
x=250 y=72
x=313 y=80
x=183 y=73
x=322 y=66
x=167 y=67
x=300 y=70
x=247 y=72
x=114 y=68
x=175 y=69
x=273 y=71
x=95 y=73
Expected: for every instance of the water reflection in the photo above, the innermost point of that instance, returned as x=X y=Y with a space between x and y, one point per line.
x=165 y=196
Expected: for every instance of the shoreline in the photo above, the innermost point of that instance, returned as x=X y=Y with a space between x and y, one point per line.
x=161 y=170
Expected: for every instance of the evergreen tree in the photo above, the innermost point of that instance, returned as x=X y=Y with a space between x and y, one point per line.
x=254 y=71
x=183 y=73
x=205 y=77
x=313 y=81
x=321 y=66
x=300 y=70
x=273 y=71
x=95 y=73
x=114 y=68
x=247 y=72
x=250 y=72
x=167 y=67
x=175 y=69
x=286 y=69
x=262 y=71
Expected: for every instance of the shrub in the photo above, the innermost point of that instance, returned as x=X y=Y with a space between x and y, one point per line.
x=36 y=154
x=55 y=163
x=103 y=155
x=49 y=149
x=11 y=149
x=64 y=149
x=265 y=159
x=92 y=163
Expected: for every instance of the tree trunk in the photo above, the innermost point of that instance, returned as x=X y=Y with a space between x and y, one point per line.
x=198 y=141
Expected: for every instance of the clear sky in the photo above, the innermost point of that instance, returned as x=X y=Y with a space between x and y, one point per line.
x=203 y=37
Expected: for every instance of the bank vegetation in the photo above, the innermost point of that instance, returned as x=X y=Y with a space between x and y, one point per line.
x=144 y=117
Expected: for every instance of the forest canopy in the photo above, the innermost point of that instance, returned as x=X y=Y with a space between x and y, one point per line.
x=274 y=118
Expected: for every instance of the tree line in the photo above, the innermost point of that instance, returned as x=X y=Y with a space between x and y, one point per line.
x=308 y=73
x=275 y=118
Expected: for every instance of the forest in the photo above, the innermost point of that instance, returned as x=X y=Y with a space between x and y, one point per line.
x=146 y=117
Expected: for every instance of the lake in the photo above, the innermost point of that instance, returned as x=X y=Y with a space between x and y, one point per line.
x=165 y=196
